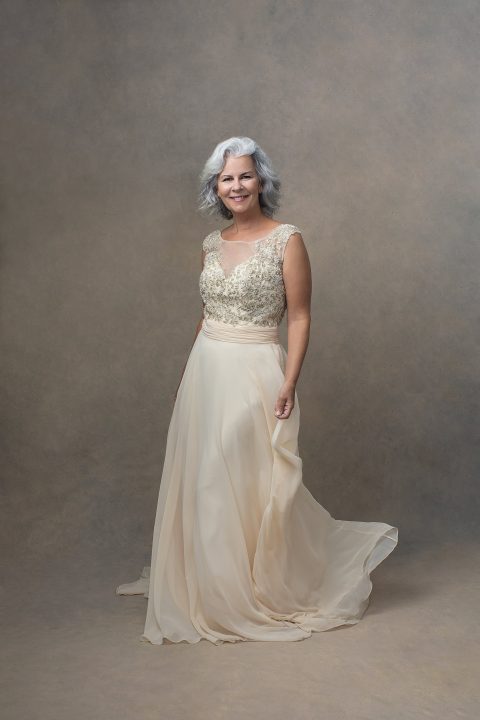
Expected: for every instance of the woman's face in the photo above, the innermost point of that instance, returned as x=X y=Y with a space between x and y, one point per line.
x=239 y=179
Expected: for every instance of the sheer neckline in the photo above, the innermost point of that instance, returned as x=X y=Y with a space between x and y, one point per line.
x=249 y=241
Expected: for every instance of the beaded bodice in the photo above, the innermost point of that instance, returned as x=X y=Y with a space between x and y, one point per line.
x=252 y=290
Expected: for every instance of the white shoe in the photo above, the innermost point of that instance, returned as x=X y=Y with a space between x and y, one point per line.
x=139 y=587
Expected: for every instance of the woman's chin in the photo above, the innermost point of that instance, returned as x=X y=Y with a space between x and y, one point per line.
x=244 y=208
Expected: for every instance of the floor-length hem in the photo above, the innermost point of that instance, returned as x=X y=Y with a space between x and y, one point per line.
x=384 y=545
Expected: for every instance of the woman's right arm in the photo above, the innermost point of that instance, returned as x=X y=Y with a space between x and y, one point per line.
x=197 y=330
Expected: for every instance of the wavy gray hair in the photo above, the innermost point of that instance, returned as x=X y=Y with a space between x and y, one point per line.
x=210 y=203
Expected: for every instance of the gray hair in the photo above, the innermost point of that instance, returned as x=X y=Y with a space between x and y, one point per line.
x=210 y=203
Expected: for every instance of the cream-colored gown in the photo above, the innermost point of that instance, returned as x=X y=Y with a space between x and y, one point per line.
x=241 y=549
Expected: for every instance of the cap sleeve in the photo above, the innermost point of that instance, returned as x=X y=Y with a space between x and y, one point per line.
x=285 y=233
x=209 y=242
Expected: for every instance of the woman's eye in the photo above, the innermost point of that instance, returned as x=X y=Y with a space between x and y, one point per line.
x=247 y=177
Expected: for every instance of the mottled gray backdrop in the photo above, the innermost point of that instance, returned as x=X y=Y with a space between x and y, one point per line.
x=370 y=113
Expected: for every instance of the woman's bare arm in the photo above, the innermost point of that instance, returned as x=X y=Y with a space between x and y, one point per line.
x=197 y=330
x=297 y=277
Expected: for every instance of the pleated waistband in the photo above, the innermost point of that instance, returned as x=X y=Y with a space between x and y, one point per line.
x=240 y=333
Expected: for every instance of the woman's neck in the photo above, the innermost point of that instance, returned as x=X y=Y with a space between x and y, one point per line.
x=245 y=224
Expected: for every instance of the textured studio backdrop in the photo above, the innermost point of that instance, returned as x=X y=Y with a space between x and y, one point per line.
x=370 y=113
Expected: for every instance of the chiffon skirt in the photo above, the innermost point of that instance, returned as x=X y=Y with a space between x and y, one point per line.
x=241 y=549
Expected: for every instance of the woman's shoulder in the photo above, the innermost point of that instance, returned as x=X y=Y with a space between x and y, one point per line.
x=282 y=236
x=210 y=241
x=284 y=231
x=287 y=229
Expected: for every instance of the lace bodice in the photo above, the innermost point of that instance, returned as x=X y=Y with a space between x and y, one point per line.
x=242 y=280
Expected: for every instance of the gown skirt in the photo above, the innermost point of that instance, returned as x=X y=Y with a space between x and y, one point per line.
x=241 y=549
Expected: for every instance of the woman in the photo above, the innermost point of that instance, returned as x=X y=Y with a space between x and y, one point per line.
x=241 y=549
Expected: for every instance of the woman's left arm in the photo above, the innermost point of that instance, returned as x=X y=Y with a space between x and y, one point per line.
x=297 y=277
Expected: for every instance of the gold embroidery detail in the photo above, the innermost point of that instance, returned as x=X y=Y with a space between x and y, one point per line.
x=254 y=291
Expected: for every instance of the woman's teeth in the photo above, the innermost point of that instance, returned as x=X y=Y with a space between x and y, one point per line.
x=239 y=198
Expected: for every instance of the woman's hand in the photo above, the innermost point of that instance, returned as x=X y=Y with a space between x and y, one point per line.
x=285 y=401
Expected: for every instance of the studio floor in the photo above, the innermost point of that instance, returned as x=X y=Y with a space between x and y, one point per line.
x=72 y=651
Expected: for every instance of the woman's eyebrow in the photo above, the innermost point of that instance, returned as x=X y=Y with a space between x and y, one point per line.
x=246 y=172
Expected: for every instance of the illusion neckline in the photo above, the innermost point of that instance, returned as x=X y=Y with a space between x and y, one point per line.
x=250 y=241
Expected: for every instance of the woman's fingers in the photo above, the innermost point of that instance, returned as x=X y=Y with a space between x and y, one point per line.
x=283 y=408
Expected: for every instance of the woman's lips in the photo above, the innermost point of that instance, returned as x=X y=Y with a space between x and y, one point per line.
x=238 y=198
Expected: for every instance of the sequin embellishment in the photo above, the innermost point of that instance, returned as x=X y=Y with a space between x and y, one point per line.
x=254 y=291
